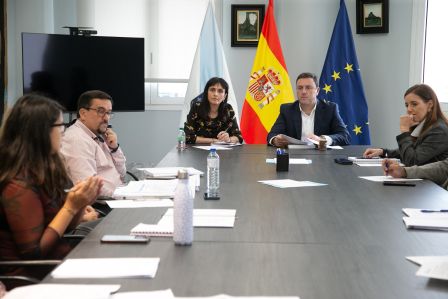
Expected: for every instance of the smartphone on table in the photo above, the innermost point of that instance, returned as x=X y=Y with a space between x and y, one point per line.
x=124 y=239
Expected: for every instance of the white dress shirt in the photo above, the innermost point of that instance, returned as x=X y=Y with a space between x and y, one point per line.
x=85 y=155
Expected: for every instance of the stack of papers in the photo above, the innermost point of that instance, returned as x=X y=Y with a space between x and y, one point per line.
x=291 y=161
x=201 y=218
x=382 y=178
x=287 y=183
x=360 y=161
x=431 y=266
x=140 y=203
x=146 y=189
x=67 y=291
x=426 y=219
x=168 y=172
x=107 y=268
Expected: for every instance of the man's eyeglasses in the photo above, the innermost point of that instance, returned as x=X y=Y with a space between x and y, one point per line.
x=62 y=126
x=101 y=112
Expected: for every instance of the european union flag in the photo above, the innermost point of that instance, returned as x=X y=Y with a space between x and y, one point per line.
x=340 y=81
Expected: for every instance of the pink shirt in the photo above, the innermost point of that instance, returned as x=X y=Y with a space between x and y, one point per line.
x=86 y=156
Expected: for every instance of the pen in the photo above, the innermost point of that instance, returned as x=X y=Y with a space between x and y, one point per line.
x=386 y=165
x=434 y=211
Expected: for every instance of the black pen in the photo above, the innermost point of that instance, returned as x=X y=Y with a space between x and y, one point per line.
x=434 y=211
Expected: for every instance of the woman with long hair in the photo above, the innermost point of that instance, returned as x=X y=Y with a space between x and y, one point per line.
x=35 y=206
x=424 y=130
x=212 y=118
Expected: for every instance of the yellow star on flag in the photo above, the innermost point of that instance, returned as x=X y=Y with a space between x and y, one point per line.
x=357 y=130
x=336 y=75
x=349 y=68
x=327 y=88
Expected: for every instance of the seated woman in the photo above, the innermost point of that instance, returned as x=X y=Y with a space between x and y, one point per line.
x=35 y=207
x=424 y=130
x=212 y=119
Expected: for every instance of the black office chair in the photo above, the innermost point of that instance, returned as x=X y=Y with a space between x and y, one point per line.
x=197 y=99
x=13 y=281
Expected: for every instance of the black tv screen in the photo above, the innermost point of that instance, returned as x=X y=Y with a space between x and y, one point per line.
x=64 y=66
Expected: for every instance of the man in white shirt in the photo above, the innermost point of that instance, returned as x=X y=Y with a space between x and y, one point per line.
x=90 y=147
x=308 y=117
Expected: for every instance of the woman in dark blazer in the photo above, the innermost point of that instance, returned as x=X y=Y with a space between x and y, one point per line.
x=424 y=130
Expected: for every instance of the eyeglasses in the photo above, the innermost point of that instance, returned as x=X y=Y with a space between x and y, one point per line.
x=62 y=126
x=218 y=90
x=101 y=112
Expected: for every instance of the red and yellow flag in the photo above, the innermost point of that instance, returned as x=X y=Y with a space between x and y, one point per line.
x=269 y=84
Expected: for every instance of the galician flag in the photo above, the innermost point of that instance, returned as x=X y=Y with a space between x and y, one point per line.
x=209 y=61
x=269 y=84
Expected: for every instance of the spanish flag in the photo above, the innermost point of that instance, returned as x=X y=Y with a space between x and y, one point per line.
x=269 y=84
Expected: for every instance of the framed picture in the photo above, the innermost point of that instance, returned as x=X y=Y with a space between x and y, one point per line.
x=372 y=16
x=247 y=21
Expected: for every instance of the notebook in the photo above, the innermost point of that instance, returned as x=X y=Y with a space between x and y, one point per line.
x=152 y=230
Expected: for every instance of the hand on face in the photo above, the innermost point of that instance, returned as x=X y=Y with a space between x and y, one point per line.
x=406 y=122
x=111 y=138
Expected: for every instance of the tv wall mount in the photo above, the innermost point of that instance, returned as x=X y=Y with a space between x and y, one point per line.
x=81 y=31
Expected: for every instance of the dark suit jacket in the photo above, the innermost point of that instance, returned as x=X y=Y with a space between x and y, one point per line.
x=327 y=121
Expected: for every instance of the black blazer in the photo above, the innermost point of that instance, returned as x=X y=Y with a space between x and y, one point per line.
x=327 y=121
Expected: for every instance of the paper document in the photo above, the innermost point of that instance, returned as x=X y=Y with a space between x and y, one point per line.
x=227 y=144
x=431 y=266
x=140 y=203
x=435 y=223
x=146 y=189
x=293 y=140
x=201 y=218
x=163 y=294
x=168 y=172
x=426 y=213
x=290 y=183
x=223 y=296
x=382 y=178
x=300 y=146
x=208 y=147
x=291 y=161
x=107 y=268
x=370 y=160
x=66 y=291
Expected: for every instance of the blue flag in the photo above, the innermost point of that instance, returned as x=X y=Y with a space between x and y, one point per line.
x=340 y=81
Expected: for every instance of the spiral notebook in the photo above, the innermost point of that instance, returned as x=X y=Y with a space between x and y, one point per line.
x=201 y=218
x=152 y=230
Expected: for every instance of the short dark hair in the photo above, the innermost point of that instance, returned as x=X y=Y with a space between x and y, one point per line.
x=308 y=75
x=85 y=99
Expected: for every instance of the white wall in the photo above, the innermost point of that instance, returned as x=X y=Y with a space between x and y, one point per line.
x=305 y=29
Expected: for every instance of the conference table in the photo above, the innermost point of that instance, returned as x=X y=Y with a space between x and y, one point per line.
x=342 y=240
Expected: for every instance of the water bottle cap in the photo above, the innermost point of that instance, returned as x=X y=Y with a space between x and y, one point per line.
x=212 y=149
x=182 y=174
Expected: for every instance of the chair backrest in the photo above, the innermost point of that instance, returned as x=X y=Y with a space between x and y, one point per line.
x=197 y=99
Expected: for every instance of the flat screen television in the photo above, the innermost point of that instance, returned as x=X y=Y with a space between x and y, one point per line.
x=64 y=66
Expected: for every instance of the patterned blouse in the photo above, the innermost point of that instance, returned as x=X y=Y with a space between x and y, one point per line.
x=209 y=128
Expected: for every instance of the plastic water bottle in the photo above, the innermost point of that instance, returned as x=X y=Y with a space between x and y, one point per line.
x=213 y=174
x=181 y=140
x=183 y=211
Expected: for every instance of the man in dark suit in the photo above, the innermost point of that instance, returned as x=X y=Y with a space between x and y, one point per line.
x=309 y=117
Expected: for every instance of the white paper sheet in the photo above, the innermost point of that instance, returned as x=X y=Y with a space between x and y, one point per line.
x=66 y=291
x=208 y=147
x=382 y=178
x=287 y=183
x=107 y=268
x=433 y=214
x=223 y=296
x=431 y=266
x=140 y=203
x=146 y=189
x=291 y=161
x=300 y=146
x=168 y=172
x=163 y=294
x=426 y=223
